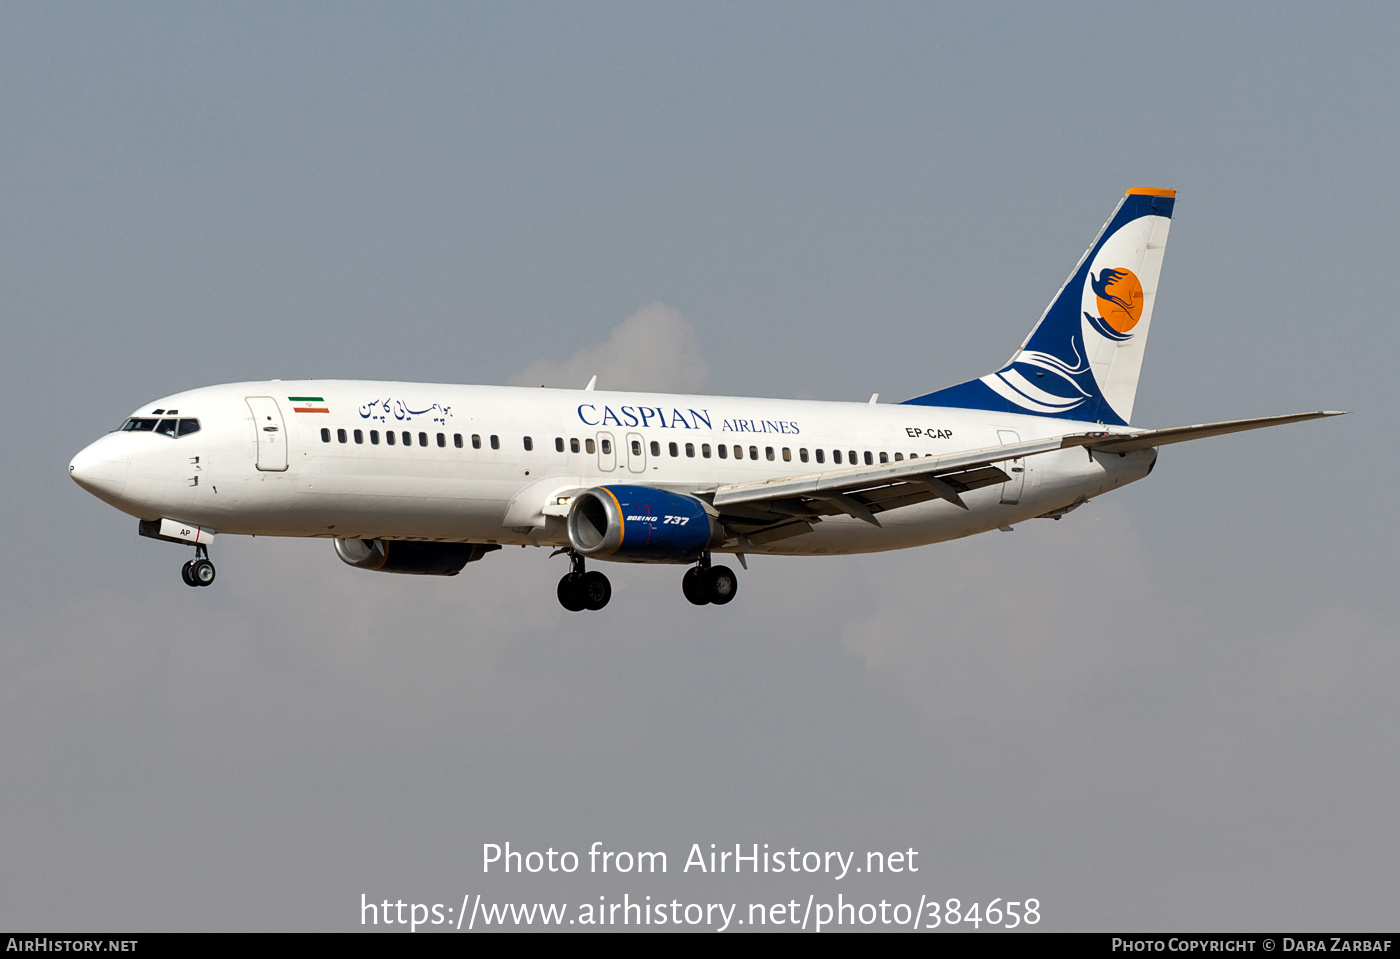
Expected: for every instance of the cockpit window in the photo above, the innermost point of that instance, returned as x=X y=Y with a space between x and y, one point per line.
x=165 y=427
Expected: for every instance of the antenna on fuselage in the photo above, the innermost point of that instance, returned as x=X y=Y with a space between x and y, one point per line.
x=873 y=398
x=592 y=383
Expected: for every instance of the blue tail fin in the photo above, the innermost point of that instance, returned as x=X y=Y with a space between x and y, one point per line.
x=1082 y=360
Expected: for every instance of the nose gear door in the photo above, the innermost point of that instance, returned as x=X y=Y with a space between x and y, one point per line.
x=272 y=436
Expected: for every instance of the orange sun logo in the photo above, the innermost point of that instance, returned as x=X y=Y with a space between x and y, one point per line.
x=1120 y=298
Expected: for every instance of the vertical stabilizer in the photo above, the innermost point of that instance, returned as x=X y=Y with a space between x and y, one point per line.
x=1082 y=360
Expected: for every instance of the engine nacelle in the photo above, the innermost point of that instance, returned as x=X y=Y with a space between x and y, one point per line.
x=403 y=556
x=641 y=524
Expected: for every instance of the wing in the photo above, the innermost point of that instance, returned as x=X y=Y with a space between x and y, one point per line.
x=770 y=510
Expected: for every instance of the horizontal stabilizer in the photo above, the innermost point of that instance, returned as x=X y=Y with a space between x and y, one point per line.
x=1180 y=434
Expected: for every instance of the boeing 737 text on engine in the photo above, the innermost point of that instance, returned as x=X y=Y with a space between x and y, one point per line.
x=418 y=478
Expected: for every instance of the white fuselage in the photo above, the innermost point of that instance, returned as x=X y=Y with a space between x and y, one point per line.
x=258 y=466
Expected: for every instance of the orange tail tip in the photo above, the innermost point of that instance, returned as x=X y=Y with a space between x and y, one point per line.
x=1149 y=191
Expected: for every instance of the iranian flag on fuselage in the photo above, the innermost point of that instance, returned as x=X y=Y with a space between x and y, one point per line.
x=308 y=404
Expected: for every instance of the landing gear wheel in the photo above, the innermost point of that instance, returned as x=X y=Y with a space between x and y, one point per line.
x=571 y=593
x=720 y=584
x=185 y=573
x=201 y=572
x=693 y=585
x=595 y=590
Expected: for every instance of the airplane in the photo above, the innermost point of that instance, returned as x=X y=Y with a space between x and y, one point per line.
x=427 y=478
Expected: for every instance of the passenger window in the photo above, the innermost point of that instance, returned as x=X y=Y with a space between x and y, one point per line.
x=359 y=438
x=690 y=449
x=853 y=460
x=723 y=451
x=476 y=441
x=869 y=460
x=836 y=457
x=753 y=452
x=674 y=450
x=898 y=457
x=768 y=450
x=821 y=456
x=558 y=444
x=607 y=447
x=529 y=444
x=738 y=452
x=407 y=438
x=325 y=435
x=705 y=450
x=422 y=439
x=457 y=440
x=167 y=427
x=340 y=435
x=655 y=448
x=573 y=445
x=389 y=437
x=787 y=455
x=588 y=446
x=802 y=455
x=884 y=457
x=913 y=456
x=636 y=447
x=373 y=437
x=495 y=442
x=189 y=426
x=442 y=440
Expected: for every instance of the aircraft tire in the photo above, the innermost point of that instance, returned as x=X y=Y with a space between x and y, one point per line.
x=201 y=572
x=720 y=584
x=595 y=590
x=570 y=595
x=693 y=586
x=185 y=573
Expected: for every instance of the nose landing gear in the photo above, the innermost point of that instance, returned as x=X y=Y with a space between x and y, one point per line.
x=198 y=571
x=580 y=590
x=704 y=584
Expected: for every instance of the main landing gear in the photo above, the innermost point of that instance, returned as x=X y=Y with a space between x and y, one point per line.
x=705 y=584
x=702 y=584
x=580 y=590
x=198 y=571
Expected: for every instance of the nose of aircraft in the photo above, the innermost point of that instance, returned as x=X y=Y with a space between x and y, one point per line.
x=101 y=468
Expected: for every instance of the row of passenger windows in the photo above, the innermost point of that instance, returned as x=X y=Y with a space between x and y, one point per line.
x=391 y=440
x=406 y=438
x=166 y=427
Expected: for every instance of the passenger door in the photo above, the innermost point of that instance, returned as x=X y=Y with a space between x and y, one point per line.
x=1015 y=469
x=271 y=434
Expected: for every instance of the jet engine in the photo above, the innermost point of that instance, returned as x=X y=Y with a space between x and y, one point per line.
x=641 y=524
x=404 y=556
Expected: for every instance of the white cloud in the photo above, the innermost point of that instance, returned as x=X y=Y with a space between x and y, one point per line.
x=653 y=349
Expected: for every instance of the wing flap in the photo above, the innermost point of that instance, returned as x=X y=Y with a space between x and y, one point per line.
x=813 y=485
